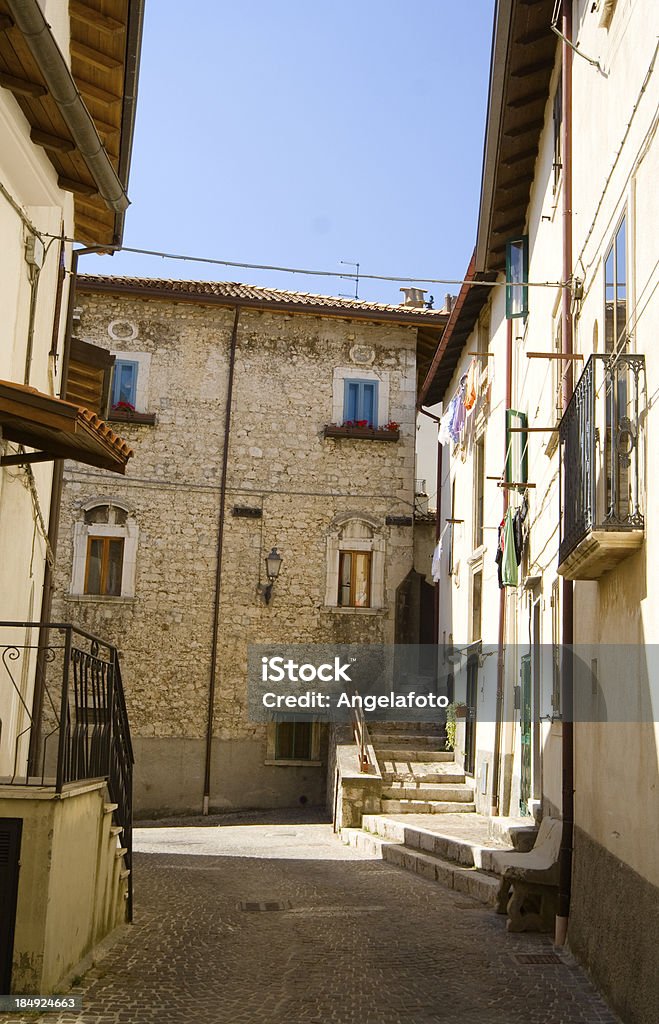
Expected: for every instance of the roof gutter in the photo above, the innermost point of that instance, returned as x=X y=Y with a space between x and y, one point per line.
x=56 y=73
x=503 y=18
x=131 y=79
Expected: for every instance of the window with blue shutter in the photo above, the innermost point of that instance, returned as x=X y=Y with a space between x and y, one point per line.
x=124 y=383
x=360 y=402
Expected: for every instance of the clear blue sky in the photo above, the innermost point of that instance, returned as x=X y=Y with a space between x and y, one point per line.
x=305 y=133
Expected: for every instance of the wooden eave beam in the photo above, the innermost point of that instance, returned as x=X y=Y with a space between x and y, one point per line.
x=96 y=58
x=21 y=86
x=6 y=22
x=524 y=129
x=84 y=188
x=52 y=142
x=533 y=69
x=516 y=158
x=94 y=92
x=527 y=99
x=94 y=18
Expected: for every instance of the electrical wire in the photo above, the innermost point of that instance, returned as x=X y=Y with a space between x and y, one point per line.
x=319 y=273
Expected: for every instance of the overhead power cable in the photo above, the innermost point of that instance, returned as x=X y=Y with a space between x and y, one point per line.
x=322 y=273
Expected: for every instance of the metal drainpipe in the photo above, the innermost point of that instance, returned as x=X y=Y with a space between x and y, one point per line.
x=438 y=514
x=501 y=657
x=565 y=854
x=218 y=566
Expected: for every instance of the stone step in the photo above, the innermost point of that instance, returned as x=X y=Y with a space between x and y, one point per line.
x=426 y=807
x=422 y=778
x=469 y=881
x=410 y=756
x=428 y=791
x=398 y=740
x=460 y=850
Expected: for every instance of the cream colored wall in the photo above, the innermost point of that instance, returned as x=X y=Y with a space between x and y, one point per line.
x=619 y=805
x=30 y=180
x=70 y=895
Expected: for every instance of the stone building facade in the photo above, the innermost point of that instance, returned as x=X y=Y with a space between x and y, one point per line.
x=150 y=540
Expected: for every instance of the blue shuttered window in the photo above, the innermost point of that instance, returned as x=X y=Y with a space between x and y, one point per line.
x=124 y=382
x=360 y=402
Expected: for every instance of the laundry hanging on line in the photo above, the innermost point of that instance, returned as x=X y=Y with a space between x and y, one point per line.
x=512 y=536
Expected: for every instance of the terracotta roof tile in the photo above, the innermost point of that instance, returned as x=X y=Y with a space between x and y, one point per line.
x=233 y=291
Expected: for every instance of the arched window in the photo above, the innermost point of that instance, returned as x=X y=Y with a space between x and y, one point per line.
x=104 y=550
x=355 y=563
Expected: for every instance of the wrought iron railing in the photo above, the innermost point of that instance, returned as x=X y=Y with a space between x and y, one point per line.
x=601 y=450
x=75 y=728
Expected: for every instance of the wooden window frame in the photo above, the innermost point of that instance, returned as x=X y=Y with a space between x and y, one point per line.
x=517 y=292
x=106 y=541
x=368 y=555
x=361 y=384
x=116 y=396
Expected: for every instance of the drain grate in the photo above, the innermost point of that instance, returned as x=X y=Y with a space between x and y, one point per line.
x=538 y=959
x=264 y=905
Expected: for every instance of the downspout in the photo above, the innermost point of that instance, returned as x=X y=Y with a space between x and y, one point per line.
x=438 y=515
x=61 y=85
x=565 y=854
x=218 y=566
x=495 y=803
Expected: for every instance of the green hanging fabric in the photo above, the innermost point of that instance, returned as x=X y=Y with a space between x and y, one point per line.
x=509 y=568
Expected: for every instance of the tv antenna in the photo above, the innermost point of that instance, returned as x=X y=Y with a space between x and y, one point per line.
x=350 y=277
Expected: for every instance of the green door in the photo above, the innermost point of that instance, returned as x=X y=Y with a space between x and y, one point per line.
x=525 y=731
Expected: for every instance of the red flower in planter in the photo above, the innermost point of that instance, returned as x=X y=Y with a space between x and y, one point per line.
x=123 y=407
x=392 y=425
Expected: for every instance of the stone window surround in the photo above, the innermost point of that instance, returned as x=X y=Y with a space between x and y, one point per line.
x=335 y=545
x=81 y=533
x=271 y=749
x=343 y=373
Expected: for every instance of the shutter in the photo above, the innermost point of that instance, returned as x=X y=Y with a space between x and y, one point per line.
x=10 y=848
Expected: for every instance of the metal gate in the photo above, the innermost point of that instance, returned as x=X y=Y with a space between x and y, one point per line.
x=10 y=848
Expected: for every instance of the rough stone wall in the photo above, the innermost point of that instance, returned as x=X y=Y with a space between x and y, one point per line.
x=278 y=461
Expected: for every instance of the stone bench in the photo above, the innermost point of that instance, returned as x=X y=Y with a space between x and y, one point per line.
x=529 y=881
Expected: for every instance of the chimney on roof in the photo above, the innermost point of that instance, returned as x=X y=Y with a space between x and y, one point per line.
x=414 y=297
x=449 y=303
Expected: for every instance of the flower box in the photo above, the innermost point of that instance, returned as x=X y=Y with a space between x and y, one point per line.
x=128 y=416
x=361 y=433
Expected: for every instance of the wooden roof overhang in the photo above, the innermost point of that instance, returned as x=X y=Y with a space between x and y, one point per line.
x=523 y=58
x=104 y=49
x=56 y=429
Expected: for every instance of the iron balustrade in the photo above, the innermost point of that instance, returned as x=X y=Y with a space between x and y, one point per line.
x=601 y=450
x=80 y=731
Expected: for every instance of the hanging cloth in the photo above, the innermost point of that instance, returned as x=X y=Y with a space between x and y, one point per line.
x=437 y=562
x=444 y=435
x=498 y=558
x=471 y=385
x=509 y=568
x=457 y=420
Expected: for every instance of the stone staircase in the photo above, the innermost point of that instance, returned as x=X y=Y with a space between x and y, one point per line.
x=419 y=776
x=459 y=856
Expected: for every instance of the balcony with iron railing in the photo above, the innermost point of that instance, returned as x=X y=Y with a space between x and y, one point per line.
x=76 y=729
x=601 y=467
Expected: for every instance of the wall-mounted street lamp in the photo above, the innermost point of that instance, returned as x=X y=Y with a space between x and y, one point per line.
x=272 y=566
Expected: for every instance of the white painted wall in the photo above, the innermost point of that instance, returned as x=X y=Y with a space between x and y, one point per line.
x=30 y=179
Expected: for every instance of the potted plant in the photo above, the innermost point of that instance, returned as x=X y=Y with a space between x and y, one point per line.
x=453 y=712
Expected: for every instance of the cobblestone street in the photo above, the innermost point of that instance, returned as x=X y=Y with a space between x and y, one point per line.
x=279 y=923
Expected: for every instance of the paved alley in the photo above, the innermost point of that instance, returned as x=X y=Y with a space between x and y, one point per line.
x=275 y=921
